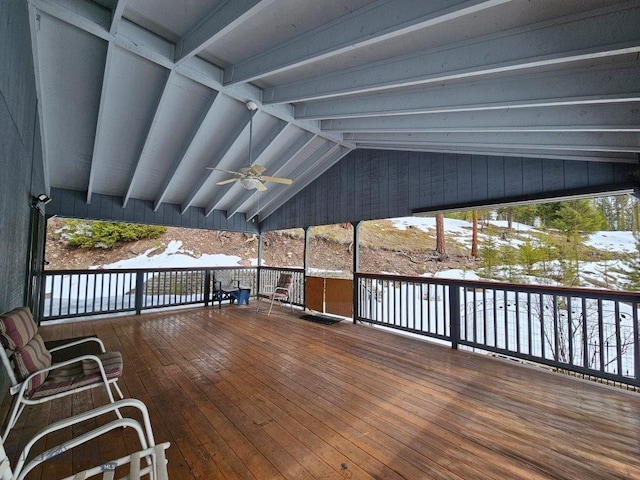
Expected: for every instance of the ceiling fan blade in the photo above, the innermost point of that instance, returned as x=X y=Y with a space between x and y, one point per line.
x=284 y=181
x=256 y=169
x=261 y=187
x=230 y=180
x=232 y=172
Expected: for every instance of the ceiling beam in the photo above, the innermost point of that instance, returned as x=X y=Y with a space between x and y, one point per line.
x=218 y=160
x=220 y=194
x=102 y=111
x=584 y=86
x=274 y=134
x=570 y=118
x=595 y=34
x=34 y=23
x=223 y=19
x=328 y=159
x=294 y=149
x=162 y=101
x=82 y=14
x=508 y=143
x=116 y=15
x=321 y=154
x=606 y=157
x=93 y=19
x=197 y=130
x=366 y=26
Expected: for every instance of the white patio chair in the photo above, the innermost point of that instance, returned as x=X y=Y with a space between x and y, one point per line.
x=150 y=461
x=34 y=379
x=280 y=292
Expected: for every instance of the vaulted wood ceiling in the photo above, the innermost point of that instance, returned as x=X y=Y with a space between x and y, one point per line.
x=139 y=97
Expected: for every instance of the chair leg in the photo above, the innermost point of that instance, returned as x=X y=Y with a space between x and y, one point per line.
x=115 y=384
x=117 y=387
x=17 y=409
x=273 y=297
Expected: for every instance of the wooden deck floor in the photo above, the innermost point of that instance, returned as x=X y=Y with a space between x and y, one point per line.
x=246 y=396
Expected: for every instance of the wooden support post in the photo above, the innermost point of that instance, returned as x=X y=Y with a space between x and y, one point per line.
x=307 y=236
x=356 y=267
x=259 y=272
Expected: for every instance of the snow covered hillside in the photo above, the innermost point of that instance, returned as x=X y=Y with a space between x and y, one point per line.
x=612 y=273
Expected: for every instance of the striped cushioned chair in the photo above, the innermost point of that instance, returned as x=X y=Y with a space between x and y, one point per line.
x=35 y=379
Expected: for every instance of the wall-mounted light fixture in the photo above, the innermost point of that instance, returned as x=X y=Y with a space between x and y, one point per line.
x=41 y=198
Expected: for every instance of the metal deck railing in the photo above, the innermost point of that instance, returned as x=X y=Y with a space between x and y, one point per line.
x=591 y=332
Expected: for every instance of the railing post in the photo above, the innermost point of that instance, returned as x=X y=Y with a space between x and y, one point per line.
x=41 y=295
x=454 y=315
x=207 y=286
x=139 y=291
x=636 y=344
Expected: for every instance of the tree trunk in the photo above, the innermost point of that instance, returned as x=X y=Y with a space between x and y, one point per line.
x=474 y=235
x=440 y=247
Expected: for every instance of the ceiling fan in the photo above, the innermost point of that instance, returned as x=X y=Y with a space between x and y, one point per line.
x=251 y=177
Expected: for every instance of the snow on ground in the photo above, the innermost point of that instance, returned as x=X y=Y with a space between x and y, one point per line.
x=460 y=231
x=455 y=274
x=451 y=226
x=174 y=256
x=609 y=273
x=622 y=242
x=518 y=227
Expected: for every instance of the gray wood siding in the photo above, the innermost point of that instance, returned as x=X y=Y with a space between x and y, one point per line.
x=72 y=204
x=20 y=150
x=20 y=154
x=370 y=184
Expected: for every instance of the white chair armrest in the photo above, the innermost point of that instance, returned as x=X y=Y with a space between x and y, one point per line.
x=21 y=471
x=79 y=342
x=96 y=412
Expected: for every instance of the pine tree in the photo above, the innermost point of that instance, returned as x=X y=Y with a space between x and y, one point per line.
x=489 y=258
x=633 y=276
x=474 y=234
x=578 y=216
x=440 y=245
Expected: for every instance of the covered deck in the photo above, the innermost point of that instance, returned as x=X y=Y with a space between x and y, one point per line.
x=243 y=395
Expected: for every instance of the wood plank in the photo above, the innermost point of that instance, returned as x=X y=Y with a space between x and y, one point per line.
x=249 y=396
x=314 y=293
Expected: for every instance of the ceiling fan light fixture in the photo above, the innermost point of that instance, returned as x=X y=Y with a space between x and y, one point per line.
x=249 y=183
x=251 y=177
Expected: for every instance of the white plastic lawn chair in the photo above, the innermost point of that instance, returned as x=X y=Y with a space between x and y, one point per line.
x=150 y=461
